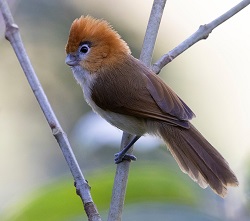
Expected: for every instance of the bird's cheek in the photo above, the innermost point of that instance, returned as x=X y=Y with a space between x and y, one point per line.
x=91 y=65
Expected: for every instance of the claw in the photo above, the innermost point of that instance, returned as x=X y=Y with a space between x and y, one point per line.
x=119 y=157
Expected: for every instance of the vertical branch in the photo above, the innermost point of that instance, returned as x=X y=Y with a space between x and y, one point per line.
x=122 y=170
x=120 y=184
x=12 y=34
x=152 y=31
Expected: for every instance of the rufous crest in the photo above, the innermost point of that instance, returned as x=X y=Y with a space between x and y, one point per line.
x=105 y=41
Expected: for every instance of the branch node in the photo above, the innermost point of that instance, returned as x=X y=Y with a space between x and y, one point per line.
x=167 y=58
x=155 y=68
x=55 y=130
x=78 y=186
x=205 y=30
x=10 y=30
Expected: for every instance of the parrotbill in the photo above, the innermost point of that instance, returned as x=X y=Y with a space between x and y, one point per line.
x=128 y=95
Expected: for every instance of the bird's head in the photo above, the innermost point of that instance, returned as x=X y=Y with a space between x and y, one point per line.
x=94 y=45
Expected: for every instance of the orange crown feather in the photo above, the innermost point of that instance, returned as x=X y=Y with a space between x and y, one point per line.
x=98 y=32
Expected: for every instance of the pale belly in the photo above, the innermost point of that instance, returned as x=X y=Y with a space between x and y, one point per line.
x=126 y=123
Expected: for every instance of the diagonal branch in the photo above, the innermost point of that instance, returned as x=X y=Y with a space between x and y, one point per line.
x=121 y=177
x=202 y=33
x=13 y=36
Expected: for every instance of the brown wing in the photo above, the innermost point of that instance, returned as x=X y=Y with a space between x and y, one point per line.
x=141 y=94
x=166 y=99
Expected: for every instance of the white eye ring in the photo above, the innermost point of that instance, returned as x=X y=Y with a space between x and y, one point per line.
x=84 y=49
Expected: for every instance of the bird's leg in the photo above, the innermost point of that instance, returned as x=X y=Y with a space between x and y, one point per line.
x=122 y=155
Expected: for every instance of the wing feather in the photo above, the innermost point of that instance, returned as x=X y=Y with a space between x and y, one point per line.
x=166 y=98
x=142 y=94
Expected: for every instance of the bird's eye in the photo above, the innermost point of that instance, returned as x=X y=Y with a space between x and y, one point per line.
x=84 y=49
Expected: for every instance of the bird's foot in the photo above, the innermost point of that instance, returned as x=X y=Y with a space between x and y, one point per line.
x=119 y=157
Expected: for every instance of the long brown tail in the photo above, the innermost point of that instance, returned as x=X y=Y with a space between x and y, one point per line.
x=198 y=158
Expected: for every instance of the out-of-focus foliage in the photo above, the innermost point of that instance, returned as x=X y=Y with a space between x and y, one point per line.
x=147 y=183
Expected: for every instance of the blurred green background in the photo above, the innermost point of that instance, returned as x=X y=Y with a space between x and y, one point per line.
x=212 y=77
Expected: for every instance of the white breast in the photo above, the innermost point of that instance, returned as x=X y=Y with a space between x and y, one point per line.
x=126 y=123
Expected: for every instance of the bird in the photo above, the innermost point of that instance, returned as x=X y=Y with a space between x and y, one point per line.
x=128 y=95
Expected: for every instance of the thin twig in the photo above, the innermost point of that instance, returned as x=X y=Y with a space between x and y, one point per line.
x=122 y=170
x=12 y=34
x=202 y=33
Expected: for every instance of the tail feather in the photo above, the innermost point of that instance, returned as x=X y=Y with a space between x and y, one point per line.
x=198 y=158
